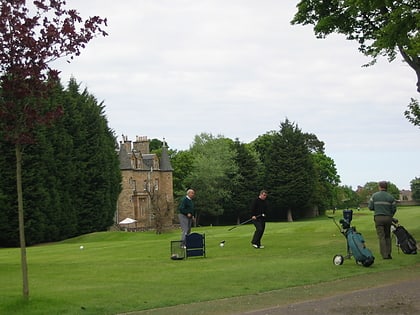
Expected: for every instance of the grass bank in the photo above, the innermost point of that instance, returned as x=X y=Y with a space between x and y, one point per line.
x=121 y=272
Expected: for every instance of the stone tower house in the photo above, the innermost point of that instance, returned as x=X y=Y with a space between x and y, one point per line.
x=147 y=188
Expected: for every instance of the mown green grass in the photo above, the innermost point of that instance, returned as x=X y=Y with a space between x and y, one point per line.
x=119 y=272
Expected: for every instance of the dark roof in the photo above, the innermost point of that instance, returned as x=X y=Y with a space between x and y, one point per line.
x=165 y=163
x=125 y=161
x=147 y=159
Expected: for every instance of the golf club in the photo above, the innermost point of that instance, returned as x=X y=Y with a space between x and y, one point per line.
x=233 y=227
x=333 y=218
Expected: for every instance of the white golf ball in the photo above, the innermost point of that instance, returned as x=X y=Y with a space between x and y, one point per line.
x=81 y=247
x=222 y=244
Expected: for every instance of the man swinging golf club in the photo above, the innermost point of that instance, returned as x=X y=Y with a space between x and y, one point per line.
x=258 y=211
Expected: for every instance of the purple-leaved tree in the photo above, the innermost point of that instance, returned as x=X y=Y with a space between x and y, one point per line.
x=32 y=35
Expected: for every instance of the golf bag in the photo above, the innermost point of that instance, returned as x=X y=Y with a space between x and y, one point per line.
x=405 y=240
x=357 y=247
x=355 y=243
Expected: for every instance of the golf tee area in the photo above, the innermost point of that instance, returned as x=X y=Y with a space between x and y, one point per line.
x=132 y=273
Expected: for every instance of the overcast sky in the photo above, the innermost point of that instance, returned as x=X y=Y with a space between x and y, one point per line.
x=176 y=68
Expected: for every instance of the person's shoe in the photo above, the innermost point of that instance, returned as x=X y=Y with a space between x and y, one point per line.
x=261 y=246
x=388 y=257
x=255 y=246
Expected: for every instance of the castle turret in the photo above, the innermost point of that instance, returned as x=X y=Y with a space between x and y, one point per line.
x=165 y=163
x=125 y=160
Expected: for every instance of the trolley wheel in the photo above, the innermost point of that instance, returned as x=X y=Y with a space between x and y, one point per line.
x=338 y=260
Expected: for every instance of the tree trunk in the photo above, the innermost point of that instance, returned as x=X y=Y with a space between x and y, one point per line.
x=289 y=215
x=315 y=211
x=197 y=219
x=24 y=264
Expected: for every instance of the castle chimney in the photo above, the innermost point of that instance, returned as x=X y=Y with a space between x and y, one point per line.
x=141 y=145
x=126 y=144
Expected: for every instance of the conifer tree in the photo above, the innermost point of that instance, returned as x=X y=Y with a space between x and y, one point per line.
x=289 y=170
x=248 y=182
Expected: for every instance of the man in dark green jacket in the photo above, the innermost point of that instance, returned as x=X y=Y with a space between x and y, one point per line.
x=384 y=206
x=186 y=214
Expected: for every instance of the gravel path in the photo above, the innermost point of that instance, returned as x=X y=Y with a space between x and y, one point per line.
x=401 y=298
x=392 y=292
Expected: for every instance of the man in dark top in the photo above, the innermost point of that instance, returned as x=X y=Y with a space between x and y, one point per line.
x=258 y=211
x=384 y=206
x=186 y=214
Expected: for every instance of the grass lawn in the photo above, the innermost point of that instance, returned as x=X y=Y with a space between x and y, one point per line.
x=120 y=272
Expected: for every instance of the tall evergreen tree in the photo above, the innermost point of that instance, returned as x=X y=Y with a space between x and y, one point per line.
x=290 y=174
x=9 y=224
x=73 y=177
x=248 y=183
x=96 y=177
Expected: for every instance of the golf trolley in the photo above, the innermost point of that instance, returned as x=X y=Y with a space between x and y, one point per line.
x=195 y=246
x=355 y=242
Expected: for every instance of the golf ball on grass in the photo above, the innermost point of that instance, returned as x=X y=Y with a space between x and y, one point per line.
x=81 y=247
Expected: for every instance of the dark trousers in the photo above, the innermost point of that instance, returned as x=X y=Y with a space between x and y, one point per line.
x=383 y=230
x=259 y=231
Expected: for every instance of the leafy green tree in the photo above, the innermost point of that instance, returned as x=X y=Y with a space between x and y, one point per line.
x=326 y=176
x=371 y=187
x=155 y=145
x=367 y=190
x=345 y=198
x=381 y=27
x=415 y=188
x=413 y=112
x=212 y=175
x=181 y=162
x=327 y=180
x=31 y=36
x=262 y=144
